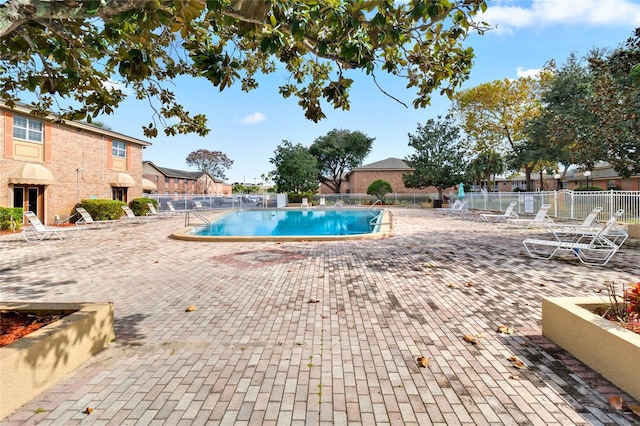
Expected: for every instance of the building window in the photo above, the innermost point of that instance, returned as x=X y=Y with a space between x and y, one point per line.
x=155 y=178
x=176 y=181
x=166 y=180
x=27 y=129
x=119 y=149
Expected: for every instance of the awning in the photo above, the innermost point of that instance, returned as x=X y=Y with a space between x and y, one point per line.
x=33 y=174
x=147 y=185
x=122 y=179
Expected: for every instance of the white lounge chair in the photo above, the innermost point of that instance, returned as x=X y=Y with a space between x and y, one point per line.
x=154 y=212
x=87 y=221
x=541 y=218
x=305 y=202
x=198 y=205
x=323 y=202
x=508 y=214
x=457 y=208
x=37 y=231
x=610 y=230
x=593 y=250
x=171 y=208
x=588 y=222
x=130 y=217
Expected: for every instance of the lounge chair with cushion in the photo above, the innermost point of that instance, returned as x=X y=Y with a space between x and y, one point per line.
x=458 y=208
x=508 y=214
x=595 y=249
x=541 y=218
x=87 y=221
x=37 y=231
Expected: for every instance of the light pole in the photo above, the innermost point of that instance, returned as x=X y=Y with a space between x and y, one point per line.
x=78 y=170
x=557 y=178
x=587 y=174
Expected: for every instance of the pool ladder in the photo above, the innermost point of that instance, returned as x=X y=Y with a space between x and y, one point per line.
x=187 y=219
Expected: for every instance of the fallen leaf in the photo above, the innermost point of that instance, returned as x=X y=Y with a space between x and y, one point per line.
x=514 y=377
x=88 y=410
x=542 y=284
x=469 y=284
x=616 y=402
x=635 y=408
x=598 y=290
x=313 y=301
x=191 y=308
x=504 y=329
x=513 y=358
x=451 y=285
x=469 y=338
x=422 y=361
x=519 y=364
x=320 y=276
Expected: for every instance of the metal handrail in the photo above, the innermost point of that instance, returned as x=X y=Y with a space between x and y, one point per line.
x=187 y=222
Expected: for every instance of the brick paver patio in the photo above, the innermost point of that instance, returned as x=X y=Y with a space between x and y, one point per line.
x=317 y=333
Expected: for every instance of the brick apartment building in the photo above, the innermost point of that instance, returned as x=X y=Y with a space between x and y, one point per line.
x=48 y=167
x=390 y=170
x=180 y=182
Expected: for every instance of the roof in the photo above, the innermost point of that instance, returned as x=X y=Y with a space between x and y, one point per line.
x=175 y=173
x=388 y=164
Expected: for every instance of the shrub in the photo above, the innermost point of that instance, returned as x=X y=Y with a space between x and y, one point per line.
x=102 y=209
x=297 y=198
x=588 y=188
x=139 y=205
x=379 y=188
x=6 y=216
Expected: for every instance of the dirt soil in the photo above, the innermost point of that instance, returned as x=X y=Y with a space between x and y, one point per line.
x=16 y=325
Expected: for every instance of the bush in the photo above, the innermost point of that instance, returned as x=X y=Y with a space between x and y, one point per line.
x=102 y=209
x=379 y=188
x=588 y=188
x=139 y=205
x=8 y=213
x=297 y=198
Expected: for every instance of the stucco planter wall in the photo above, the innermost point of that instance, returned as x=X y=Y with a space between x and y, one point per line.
x=32 y=364
x=634 y=230
x=601 y=344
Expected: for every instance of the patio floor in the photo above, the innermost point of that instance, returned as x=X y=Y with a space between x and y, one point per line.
x=318 y=332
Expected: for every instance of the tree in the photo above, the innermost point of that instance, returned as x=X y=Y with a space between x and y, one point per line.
x=215 y=163
x=296 y=169
x=337 y=152
x=81 y=58
x=494 y=116
x=379 y=188
x=486 y=164
x=439 y=157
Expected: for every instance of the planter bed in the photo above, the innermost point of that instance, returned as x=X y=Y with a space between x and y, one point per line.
x=601 y=344
x=33 y=363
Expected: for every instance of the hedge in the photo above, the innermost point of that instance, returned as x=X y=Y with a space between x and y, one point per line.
x=6 y=214
x=103 y=209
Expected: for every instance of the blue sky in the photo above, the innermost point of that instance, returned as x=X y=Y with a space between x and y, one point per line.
x=249 y=126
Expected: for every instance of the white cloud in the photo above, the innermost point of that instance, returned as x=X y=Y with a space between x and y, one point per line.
x=508 y=15
x=112 y=84
x=532 y=72
x=256 y=117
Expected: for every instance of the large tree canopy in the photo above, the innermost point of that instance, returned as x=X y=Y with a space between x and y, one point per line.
x=80 y=59
x=296 y=169
x=337 y=152
x=214 y=163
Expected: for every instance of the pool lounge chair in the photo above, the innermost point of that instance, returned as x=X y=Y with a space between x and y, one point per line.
x=323 y=202
x=458 y=208
x=594 y=249
x=37 y=231
x=305 y=203
x=610 y=230
x=588 y=222
x=159 y=214
x=171 y=208
x=130 y=217
x=87 y=221
x=508 y=214
x=541 y=218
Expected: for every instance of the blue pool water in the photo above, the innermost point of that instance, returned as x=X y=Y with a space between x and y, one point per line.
x=291 y=223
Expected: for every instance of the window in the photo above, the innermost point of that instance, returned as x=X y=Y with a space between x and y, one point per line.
x=177 y=181
x=119 y=149
x=155 y=178
x=27 y=129
x=166 y=179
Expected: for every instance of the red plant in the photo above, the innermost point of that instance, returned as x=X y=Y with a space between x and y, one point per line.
x=632 y=297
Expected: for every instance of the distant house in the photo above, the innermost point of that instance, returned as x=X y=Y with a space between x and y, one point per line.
x=180 y=182
x=49 y=167
x=390 y=170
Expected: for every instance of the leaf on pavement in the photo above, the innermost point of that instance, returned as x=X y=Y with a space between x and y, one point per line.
x=422 y=361
x=470 y=338
x=616 y=402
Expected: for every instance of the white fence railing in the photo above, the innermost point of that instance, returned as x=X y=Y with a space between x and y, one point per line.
x=565 y=204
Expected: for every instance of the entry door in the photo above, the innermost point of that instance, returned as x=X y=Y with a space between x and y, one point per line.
x=29 y=198
x=119 y=193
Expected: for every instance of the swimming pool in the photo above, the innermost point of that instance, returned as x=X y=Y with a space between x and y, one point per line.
x=297 y=224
